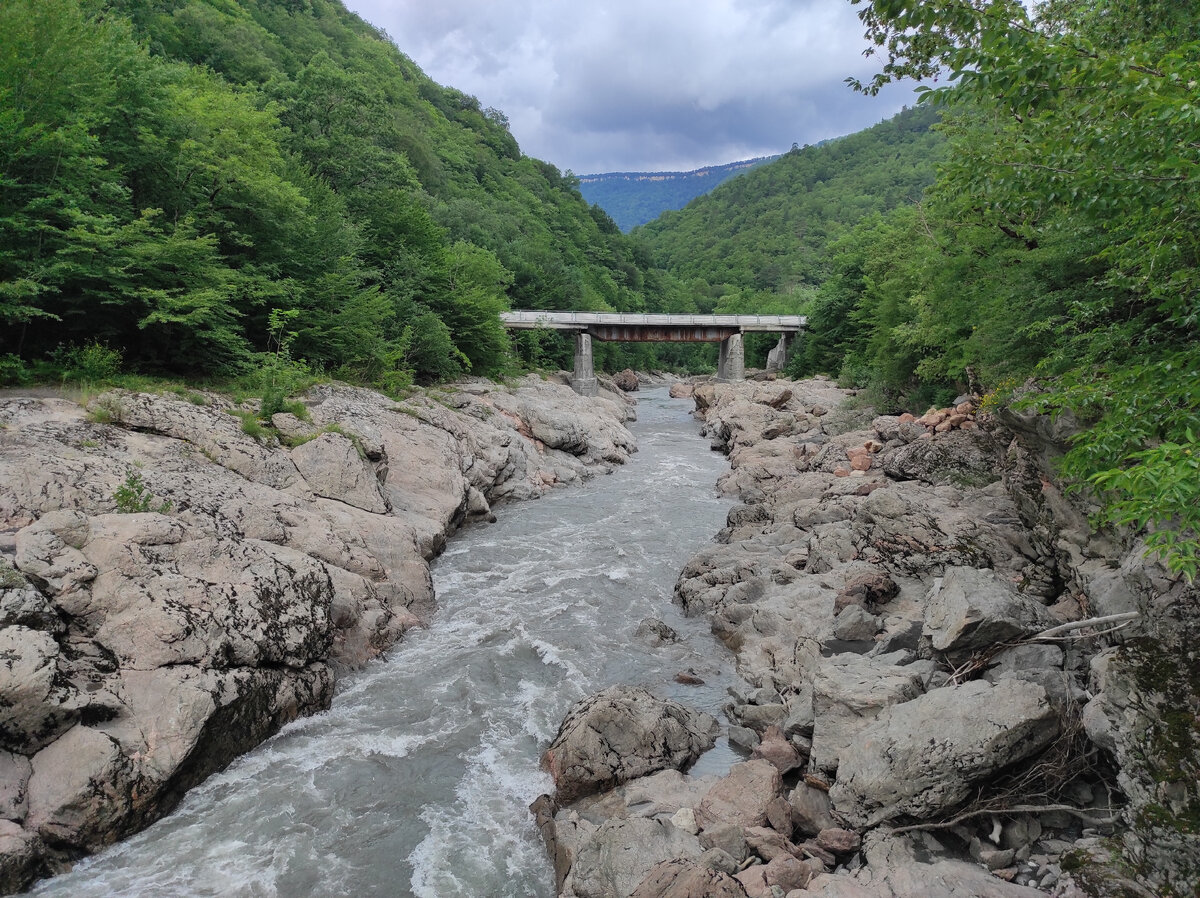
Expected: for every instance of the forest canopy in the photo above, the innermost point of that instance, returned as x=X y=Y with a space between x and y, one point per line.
x=175 y=171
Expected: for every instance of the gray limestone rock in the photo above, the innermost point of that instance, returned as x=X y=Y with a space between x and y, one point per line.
x=922 y=756
x=971 y=609
x=682 y=878
x=622 y=733
x=849 y=692
x=333 y=468
x=612 y=861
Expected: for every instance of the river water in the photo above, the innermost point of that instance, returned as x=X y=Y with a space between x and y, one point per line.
x=418 y=780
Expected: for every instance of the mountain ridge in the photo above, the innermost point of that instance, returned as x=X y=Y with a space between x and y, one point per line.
x=633 y=198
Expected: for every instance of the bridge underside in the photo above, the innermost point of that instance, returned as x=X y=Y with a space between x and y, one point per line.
x=727 y=330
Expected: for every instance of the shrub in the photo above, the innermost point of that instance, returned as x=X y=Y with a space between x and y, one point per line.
x=91 y=363
x=14 y=371
x=133 y=496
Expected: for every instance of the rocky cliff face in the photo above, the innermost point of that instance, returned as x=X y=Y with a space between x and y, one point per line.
x=934 y=706
x=173 y=590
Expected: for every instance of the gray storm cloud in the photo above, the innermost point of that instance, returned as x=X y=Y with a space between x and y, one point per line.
x=631 y=85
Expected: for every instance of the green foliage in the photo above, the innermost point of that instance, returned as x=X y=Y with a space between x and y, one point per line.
x=134 y=496
x=1066 y=219
x=768 y=229
x=253 y=427
x=279 y=375
x=91 y=364
x=173 y=172
x=13 y=371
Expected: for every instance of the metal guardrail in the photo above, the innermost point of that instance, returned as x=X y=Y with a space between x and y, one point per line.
x=575 y=320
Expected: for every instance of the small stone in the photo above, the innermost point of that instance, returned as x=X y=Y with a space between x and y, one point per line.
x=685 y=819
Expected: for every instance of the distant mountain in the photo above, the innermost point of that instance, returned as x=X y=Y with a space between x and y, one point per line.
x=634 y=198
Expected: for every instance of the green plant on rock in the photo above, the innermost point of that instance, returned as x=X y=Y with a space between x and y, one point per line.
x=134 y=496
x=279 y=375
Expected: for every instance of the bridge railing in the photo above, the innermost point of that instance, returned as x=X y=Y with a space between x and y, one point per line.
x=574 y=320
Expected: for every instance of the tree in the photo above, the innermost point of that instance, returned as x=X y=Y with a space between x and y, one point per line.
x=1089 y=116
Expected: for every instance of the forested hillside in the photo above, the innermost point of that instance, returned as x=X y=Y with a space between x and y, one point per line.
x=761 y=243
x=175 y=172
x=768 y=229
x=634 y=198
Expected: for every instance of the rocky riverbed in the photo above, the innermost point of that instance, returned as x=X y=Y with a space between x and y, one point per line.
x=174 y=589
x=954 y=686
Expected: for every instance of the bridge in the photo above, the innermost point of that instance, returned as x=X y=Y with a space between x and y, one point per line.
x=619 y=327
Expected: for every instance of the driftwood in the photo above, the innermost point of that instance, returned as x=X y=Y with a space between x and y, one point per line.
x=1122 y=620
x=1012 y=809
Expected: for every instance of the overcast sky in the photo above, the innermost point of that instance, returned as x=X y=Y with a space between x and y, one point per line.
x=647 y=85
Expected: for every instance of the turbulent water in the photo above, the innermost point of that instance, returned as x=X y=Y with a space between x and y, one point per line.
x=418 y=780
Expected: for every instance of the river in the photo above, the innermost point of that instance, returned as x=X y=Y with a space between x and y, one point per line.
x=417 y=781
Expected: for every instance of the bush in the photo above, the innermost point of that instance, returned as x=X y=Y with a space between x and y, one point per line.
x=133 y=496
x=14 y=371
x=91 y=363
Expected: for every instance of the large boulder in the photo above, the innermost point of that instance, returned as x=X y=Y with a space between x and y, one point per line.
x=922 y=757
x=626 y=380
x=683 y=878
x=622 y=733
x=970 y=609
x=963 y=458
x=613 y=861
x=334 y=468
x=850 y=691
x=35 y=706
x=742 y=796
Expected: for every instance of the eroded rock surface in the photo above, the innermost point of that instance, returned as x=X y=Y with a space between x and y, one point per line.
x=886 y=585
x=146 y=642
x=620 y=734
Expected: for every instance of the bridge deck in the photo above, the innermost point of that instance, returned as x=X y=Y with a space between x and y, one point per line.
x=574 y=321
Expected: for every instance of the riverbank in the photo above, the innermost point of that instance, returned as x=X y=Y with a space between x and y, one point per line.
x=174 y=589
x=934 y=706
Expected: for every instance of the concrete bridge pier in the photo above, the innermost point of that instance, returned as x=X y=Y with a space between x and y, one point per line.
x=583 y=380
x=731 y=363
x=778 y=357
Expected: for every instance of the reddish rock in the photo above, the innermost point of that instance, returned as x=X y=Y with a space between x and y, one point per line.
x=627 y=380
x=969 y=425
x=769 y=844
x=779 y=815
x=741 y=796
x=907 y=418
x=787 y=873
x=956 y=420
x=775 y=748
x=682 y=391
x=965 y=408
x=839 y=841
x=861 y=463
x=943 y=427
x=754 y=881
x=841 y=472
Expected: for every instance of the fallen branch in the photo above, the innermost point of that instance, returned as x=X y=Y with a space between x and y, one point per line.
x=1125 y=617
x=1014 y=809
